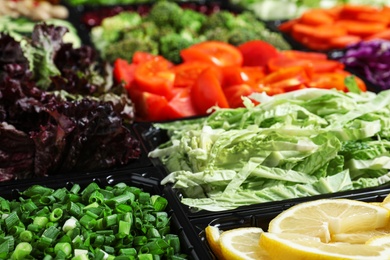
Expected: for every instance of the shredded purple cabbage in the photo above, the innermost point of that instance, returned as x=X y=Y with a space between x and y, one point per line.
x=370 y=59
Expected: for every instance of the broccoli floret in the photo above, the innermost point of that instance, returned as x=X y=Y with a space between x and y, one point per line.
x=165 y=13
x=125 y=49
x=172 y=44
x=112 y=27
x=217 y=34
x=121 y=21
x=248 y=19
x=222 y=19
x=191 y=20
x=143 y=31
x=240 y=36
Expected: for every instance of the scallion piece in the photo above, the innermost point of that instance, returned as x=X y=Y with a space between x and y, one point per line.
x=22 y=250
x=109 y=221
x=40 y=221
x=64 y=247
x=11 y=220
x=26 y=236
x=69 y=224
x=88 y=222
x=145 y=257
x=75 y=188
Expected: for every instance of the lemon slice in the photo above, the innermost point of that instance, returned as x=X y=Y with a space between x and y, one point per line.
x=242 y=243
x=212 y=236
x=326 y=217
x=360 y=237
x=380 y=241
x=293 y=246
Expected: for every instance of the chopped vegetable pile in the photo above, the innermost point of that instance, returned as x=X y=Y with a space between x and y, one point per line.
x=167 y=29
x=90 y=223
x=370 y=59
x=59 y=109
x=337 y=27
x=290 y=9
x=216 y=73
x=302 y=143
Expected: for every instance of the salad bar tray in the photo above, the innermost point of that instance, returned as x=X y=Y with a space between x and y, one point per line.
x=141 y=180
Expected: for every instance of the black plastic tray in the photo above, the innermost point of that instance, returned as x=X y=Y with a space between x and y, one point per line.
x=147 y=179
x=152 y=137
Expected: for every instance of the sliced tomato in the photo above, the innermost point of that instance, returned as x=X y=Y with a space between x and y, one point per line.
x=187 y=73
x=289 y=74
x=207 y=91
x=257 y=52
x=124 y=72
x=242 y=75
x=155 y=76
x=149 y=106
x=214 y=52
x=141 y=57
x=295 y=54
x=235 y=93
x=180 y=105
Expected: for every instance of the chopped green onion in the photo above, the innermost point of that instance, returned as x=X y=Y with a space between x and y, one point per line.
x=145 y=257
x=109 y=221
x=16 y=230
x=29 y=206
x=88 y=190
x=64 y=247
x=22 y=250
x=37 y=190
x=60 y=194
x=26 y=236
x=74 y=209
x=96 y=196
x=128 y=251
x=144 y=198
x=124 y=228
x=75 y=188
x=159 y=203
x=11 y=220
x=40 y=221
x=69 y=224
x=88 y=222
x=47 y=200
x=5 y=206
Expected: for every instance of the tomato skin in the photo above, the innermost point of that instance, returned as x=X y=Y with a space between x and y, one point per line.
x=217 y=53
x=207 y=91
x=141 y=57
x=180 y=105
x=149 y=106
x=124 y=72
x=154 y=76
x=257 y=53
x=187 y=73
x=235 y=92
x=242 y=75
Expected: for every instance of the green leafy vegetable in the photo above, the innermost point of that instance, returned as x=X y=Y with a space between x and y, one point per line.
x=302 y=143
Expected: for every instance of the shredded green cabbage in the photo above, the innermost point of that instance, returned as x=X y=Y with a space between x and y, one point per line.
x=298 y=144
